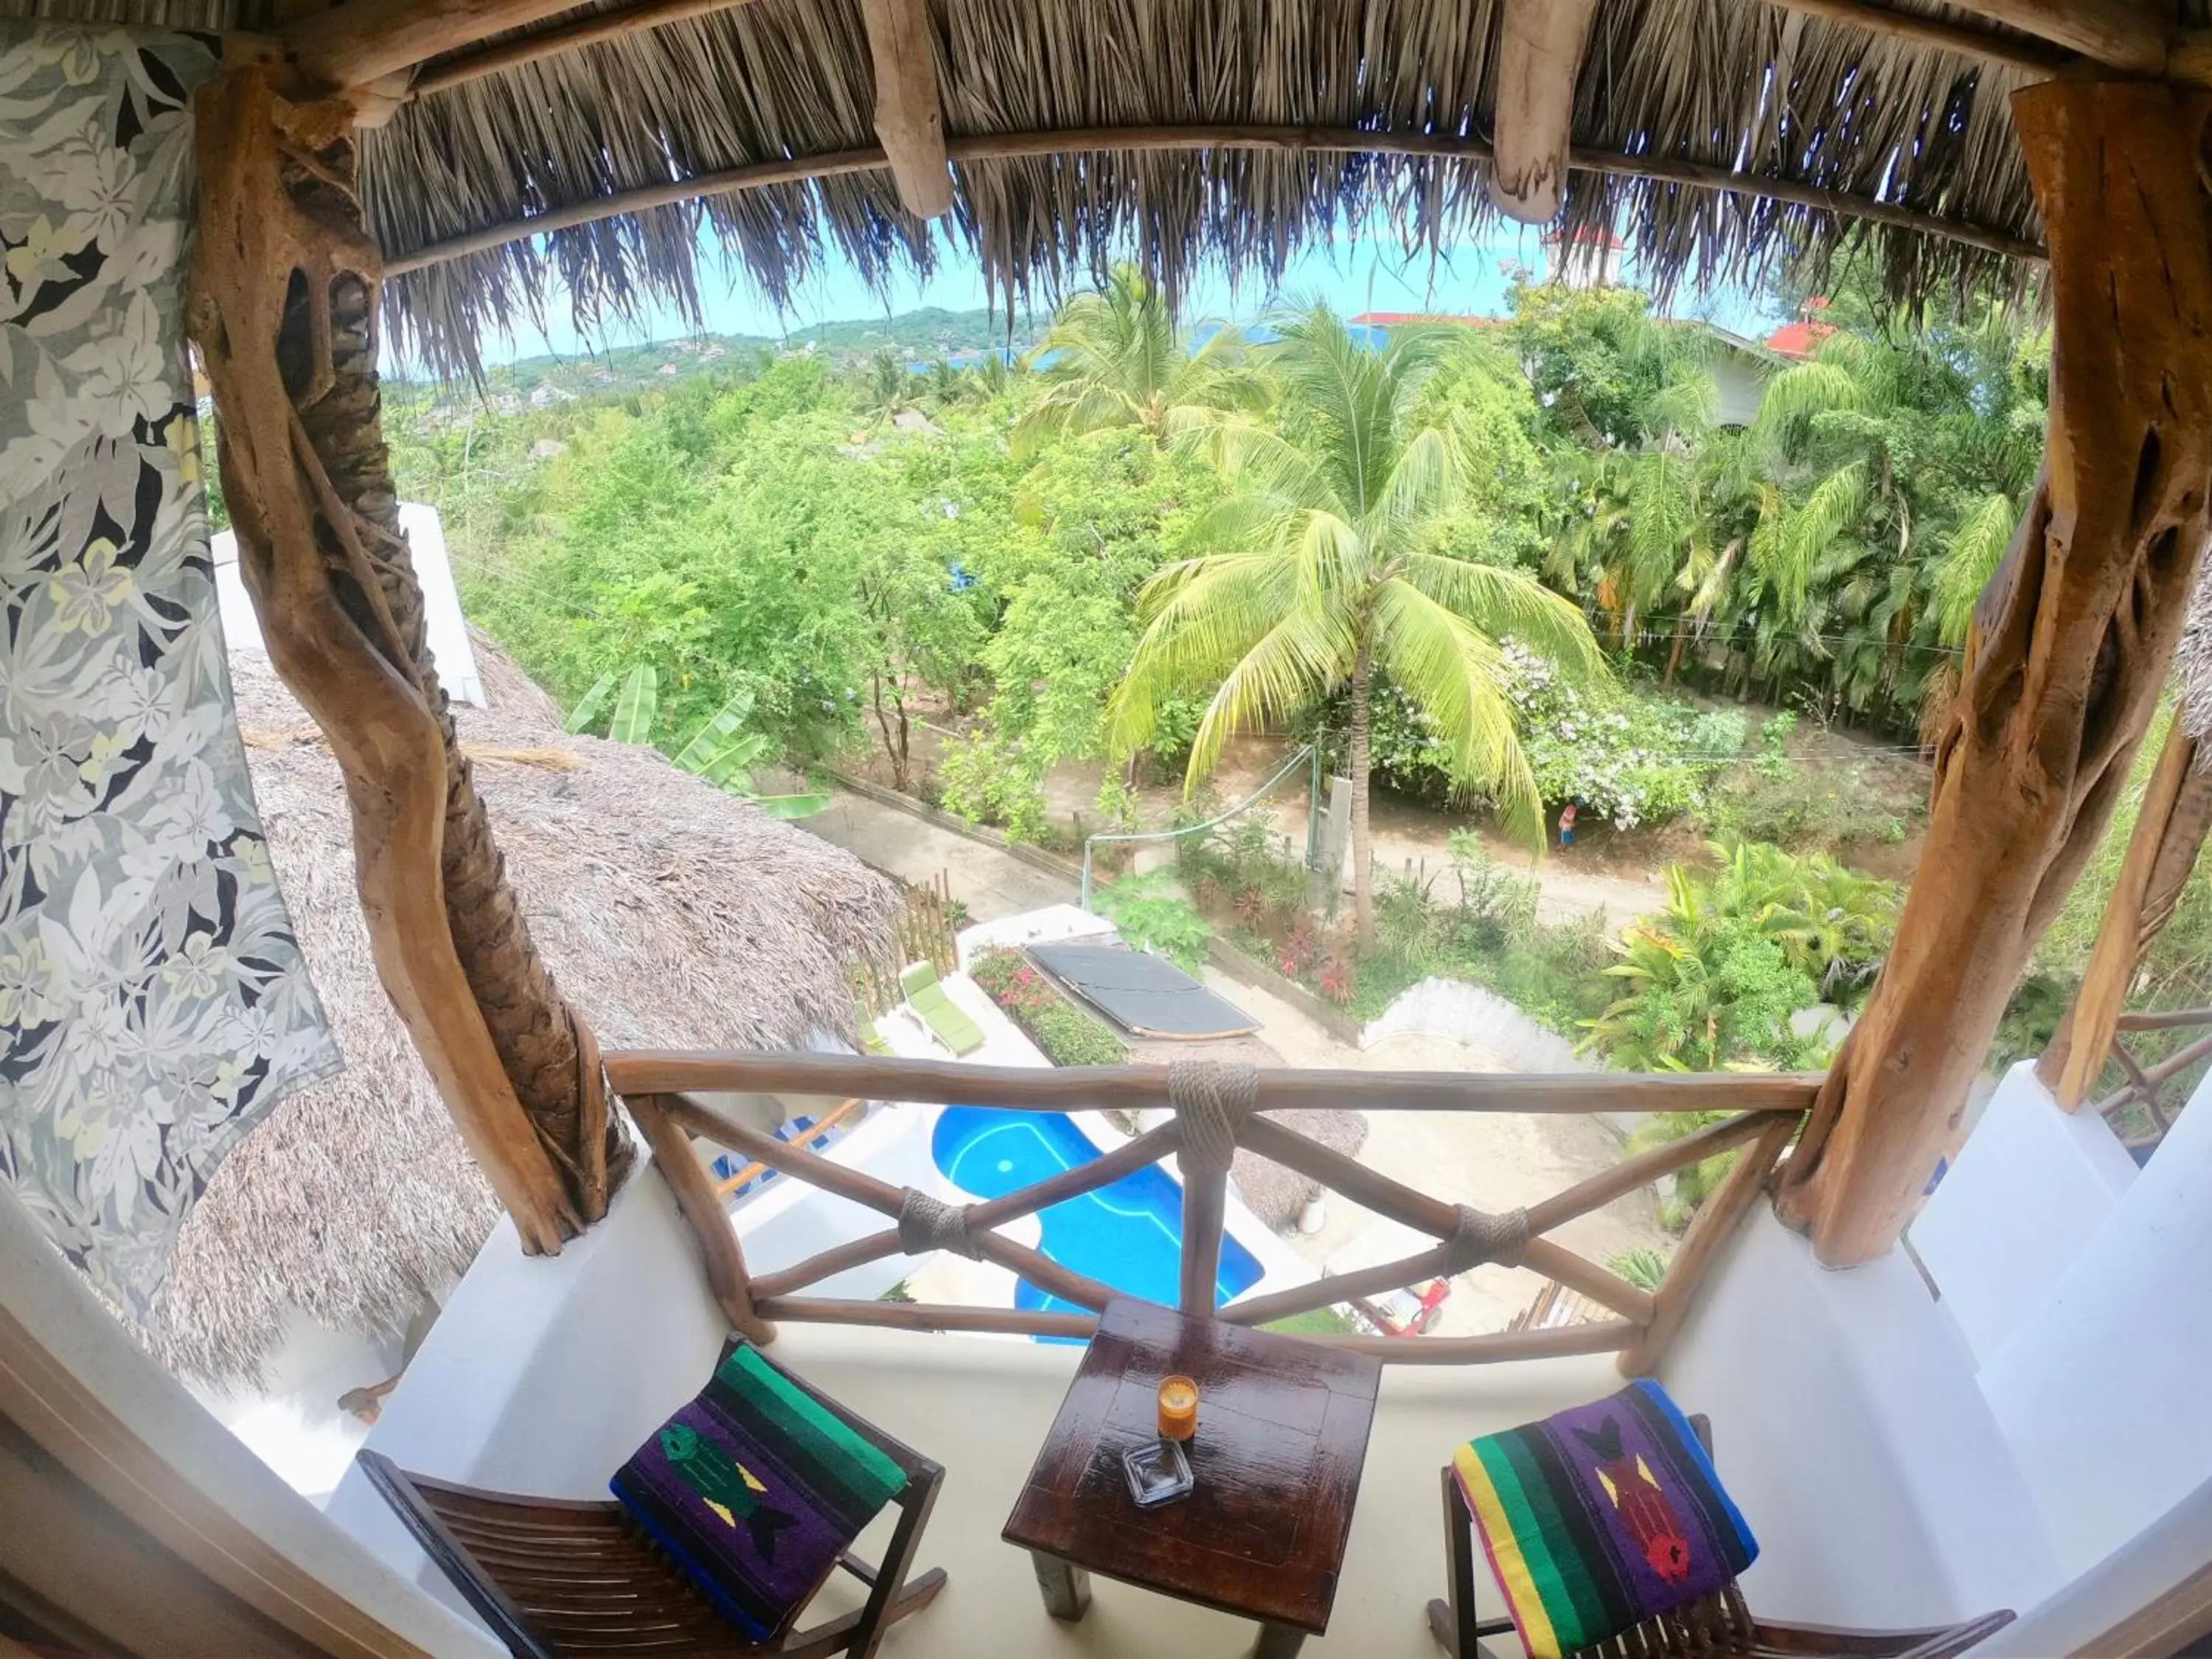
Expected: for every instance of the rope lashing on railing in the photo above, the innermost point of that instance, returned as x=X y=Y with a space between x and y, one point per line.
x=927 y=1223
x=1211 y=1100
x=1481 y=1236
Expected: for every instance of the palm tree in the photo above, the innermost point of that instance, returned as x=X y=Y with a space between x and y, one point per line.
x=1325 y=578
x=1668 y=513
x=1115 y=357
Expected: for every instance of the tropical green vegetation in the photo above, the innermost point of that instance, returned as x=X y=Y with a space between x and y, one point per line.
x=1331 y=560
x=1549 y=559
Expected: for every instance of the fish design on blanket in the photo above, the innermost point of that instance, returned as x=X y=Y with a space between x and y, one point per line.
x=1640 y=1501
x=725 y=1486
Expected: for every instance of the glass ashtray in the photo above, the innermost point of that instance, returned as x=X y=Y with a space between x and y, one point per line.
x=1159 y=1473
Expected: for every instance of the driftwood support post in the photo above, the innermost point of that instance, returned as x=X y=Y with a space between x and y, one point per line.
x=701 y=1207
x=2069 y=650
x=2168 y=834
x=282 y=307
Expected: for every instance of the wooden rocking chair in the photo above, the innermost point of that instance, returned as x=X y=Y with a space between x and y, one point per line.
x=1714 y=1626
x=563 y=1578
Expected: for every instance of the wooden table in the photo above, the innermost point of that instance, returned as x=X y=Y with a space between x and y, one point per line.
x=1282 y=1435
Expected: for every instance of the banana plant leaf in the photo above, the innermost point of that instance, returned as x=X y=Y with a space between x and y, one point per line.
x=636 y=708
x=722 y=750
x=586 y=712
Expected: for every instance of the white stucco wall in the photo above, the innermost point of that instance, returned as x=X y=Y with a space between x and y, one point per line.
x=2025 y=1194
x=1849 y=1427
x=544 y=1373
x=2103 y=1388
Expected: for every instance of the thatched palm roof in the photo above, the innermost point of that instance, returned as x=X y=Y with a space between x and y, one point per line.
x=1235 y=108
x=675 y=916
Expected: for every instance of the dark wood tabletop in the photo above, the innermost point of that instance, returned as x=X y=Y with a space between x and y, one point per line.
x=1282 y=1436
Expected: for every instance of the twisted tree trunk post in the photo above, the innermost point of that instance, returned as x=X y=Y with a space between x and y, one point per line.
x=2068 y=651
x=283 y=308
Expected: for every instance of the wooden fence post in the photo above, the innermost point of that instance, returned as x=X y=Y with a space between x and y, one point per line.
x=701 y=1206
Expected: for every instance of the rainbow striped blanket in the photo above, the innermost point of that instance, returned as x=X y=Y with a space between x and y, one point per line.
x=1602 y=1516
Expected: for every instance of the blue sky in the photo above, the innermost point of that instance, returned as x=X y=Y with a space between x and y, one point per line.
x=1359 y=275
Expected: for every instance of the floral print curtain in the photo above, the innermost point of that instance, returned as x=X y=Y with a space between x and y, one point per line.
x=154 y=1000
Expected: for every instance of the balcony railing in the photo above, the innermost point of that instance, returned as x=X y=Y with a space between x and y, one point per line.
x=1217 y=1109
x=2146 y=1085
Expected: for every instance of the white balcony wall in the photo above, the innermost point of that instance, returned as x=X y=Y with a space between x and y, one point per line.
x=2101 y=1388
x=2025 y=1194
x=1849 y=1427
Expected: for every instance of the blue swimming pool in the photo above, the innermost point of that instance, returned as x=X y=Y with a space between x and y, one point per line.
x=1127 y=1234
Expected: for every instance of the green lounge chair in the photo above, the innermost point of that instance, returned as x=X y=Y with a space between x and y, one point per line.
x=946 y=1022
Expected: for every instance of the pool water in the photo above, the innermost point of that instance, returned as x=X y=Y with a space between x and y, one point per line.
x=1127 y=1234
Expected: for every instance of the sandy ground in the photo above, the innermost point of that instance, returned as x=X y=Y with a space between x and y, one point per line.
x=1493 y=1161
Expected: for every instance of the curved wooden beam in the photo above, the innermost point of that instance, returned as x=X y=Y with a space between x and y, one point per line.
x=1013 y=146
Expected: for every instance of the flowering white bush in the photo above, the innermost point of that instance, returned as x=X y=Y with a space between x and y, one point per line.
x=1630 y=758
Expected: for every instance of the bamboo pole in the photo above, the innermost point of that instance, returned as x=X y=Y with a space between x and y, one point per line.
x=721 y=1255
x=2030 y=56
x=1554 y=1261
x=1205 y=1212
x=1369 y=1188
x=837 y=1259
x=1640 y=1171
x=1709 y=1234
x=834 y=1118
x=1601 y=1285
x=1145 y=1150
x=1129 y=1088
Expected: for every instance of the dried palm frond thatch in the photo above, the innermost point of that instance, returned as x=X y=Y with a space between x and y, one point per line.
x=1912 y=134
x=674 y=915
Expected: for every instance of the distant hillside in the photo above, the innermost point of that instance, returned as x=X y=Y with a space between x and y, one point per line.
x=916 y=336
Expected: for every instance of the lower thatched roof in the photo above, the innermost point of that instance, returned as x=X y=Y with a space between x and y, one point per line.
x=675 y=916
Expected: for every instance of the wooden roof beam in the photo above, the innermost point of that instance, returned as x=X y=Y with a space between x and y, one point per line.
x=365 y=40
x=909 y=122
x=1540 y=46
x=2121 y=35
x=599 y=29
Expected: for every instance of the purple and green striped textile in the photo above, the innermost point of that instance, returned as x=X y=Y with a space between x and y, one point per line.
x=1600 y=1518
x=753 y=1490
